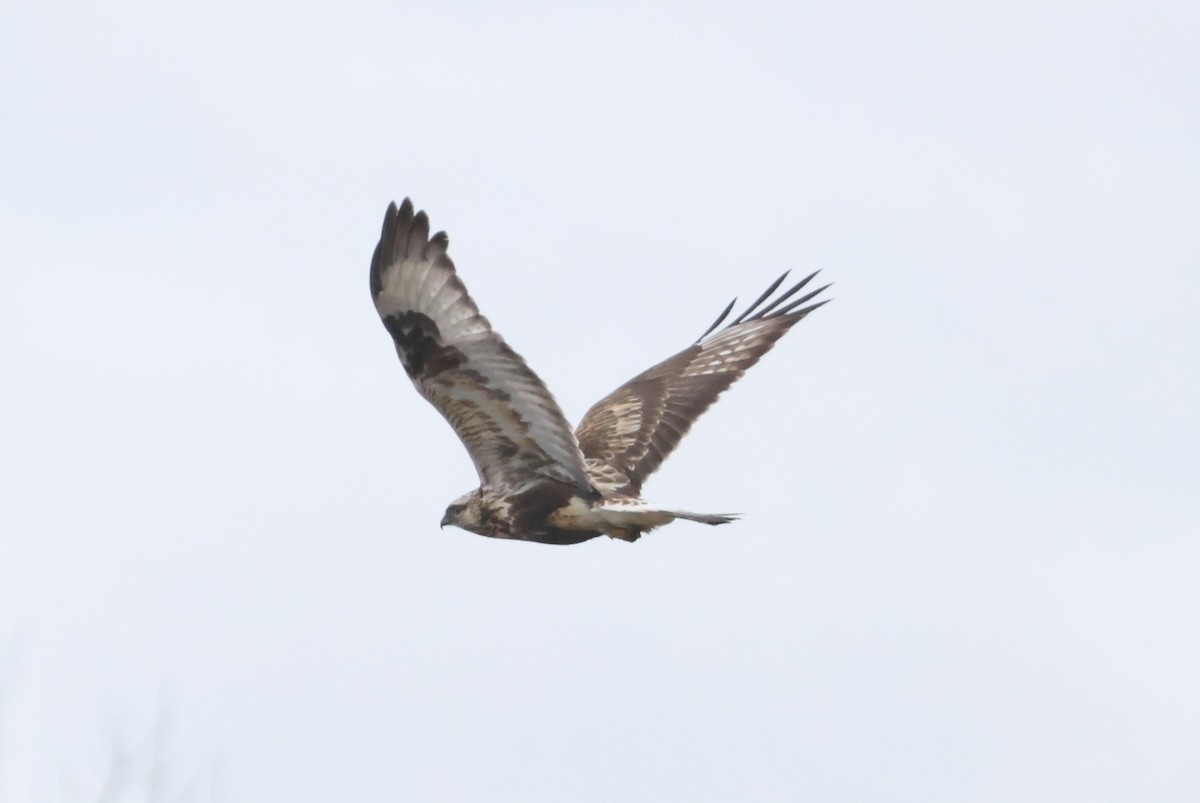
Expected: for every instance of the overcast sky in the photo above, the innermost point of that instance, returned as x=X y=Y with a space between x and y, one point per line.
x=968 y=565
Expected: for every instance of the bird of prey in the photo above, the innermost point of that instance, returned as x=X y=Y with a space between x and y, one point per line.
x=538 y=480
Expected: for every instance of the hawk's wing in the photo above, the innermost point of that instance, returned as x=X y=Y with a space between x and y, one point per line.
x=510 y=424
x=634 y=428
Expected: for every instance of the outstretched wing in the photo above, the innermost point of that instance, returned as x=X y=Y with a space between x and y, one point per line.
x=504 y=415
x=633 y=429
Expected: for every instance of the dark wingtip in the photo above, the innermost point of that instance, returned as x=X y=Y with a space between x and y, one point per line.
x=724 y=314
x=800 y=313
x=774 y=285
x=418 y=234
x=384 y=248
x=803 y=299
x=768 y=311
x=438 y=244
x=774 y=308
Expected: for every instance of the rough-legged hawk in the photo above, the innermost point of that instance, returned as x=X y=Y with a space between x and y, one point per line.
x=539 y=481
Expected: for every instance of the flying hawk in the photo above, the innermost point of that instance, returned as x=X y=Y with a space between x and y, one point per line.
x=538 y=480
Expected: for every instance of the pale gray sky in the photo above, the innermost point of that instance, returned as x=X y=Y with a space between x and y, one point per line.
x=968 y=564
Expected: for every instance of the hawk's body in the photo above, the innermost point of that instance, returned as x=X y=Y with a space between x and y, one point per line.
x=538 y=480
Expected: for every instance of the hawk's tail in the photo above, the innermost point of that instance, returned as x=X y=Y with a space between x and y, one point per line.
x=628 y=518
x=705 y=518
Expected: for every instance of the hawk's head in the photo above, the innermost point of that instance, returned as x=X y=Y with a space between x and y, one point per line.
x=466 y=512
